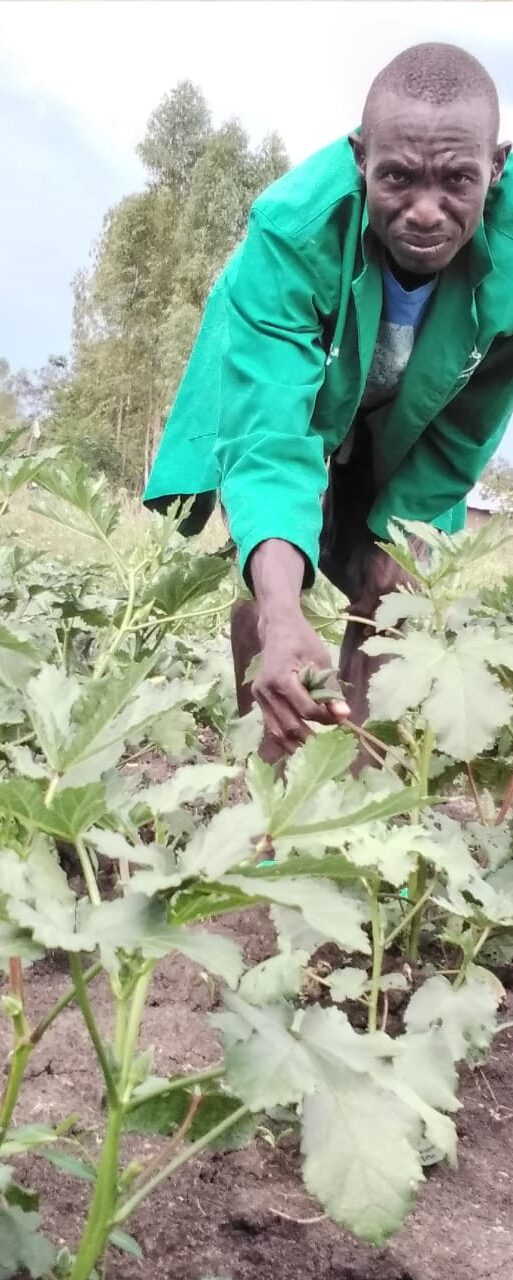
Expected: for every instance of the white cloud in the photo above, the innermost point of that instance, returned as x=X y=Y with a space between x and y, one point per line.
x=301 y=66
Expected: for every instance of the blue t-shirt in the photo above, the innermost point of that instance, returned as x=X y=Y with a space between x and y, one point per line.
x=401 y=317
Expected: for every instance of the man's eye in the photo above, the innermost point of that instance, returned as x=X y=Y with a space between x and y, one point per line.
x=460 y=179
x=398 y=177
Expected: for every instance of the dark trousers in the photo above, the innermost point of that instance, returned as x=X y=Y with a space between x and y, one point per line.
x=345 y=537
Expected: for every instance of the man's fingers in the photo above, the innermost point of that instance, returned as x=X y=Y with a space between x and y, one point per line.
x=284 y=725
x=315 y=709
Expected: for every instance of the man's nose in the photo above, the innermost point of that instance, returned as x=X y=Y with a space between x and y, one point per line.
x=425 y=214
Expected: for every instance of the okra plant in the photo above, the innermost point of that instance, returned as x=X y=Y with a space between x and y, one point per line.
x=130 y=652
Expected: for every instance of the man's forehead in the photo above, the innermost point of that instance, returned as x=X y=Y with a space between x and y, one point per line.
x=405 y=123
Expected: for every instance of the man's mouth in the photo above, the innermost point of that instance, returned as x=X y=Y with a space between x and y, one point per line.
x=424 y=246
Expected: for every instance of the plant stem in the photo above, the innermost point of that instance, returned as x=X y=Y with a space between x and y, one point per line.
x=180 y=1082
x=37 y=1034
x=21 y=1049
x=20 y=1054
x=103 y=1204
x=52 y=787
x=507 y=800
x=132 y=1029
x=410 y=915
x=190 y=1152
x=418 y=880
x=87 y=871
x=377 y=961
x=122 y=630
x=88 y=1016
x=476 y=796
x=378 y=745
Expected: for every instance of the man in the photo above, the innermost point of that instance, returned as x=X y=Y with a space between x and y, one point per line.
x=367 y=319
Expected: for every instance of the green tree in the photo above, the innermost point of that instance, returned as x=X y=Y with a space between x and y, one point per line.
x=497 y=484
x=138 y=308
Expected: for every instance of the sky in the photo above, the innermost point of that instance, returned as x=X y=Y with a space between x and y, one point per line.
x=79 y=78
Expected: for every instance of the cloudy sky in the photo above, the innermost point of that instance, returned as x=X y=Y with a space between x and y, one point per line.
x=78 y=79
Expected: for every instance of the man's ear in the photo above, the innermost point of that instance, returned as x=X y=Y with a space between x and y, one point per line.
x=355 y=141
x=501 y=154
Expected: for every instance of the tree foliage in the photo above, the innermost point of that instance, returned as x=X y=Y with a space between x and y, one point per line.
x=138 y=308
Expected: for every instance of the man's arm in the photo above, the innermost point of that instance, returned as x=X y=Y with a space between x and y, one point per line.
x=289 y=644
x=272 y=462
x=271 y=459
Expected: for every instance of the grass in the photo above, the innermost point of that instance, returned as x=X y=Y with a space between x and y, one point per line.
x=22 y=522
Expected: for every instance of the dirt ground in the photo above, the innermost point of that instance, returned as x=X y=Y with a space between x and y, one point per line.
x=244 y=1215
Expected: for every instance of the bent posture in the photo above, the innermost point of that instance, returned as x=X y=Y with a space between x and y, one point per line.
x=354 y=366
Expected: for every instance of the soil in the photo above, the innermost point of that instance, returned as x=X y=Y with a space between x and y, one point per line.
x=245 y=1215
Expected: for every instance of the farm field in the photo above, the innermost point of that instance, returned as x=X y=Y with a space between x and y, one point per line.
x=251 y=1026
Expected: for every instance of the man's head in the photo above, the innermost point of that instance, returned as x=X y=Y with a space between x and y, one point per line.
x=428 y=152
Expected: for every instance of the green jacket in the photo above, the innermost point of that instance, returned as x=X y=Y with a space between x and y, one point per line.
x=282 y=357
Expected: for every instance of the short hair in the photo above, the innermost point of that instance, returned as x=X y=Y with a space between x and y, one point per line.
x=437 y=73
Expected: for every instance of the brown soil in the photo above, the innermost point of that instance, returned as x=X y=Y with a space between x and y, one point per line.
x=241 y=1216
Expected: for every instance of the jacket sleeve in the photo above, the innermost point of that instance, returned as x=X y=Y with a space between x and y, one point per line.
x=271 y=459
x=453 y=451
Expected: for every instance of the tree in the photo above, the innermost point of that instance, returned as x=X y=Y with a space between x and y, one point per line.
x=175 y=139
x=497 y=484
x=138 y=308
x=10 y=410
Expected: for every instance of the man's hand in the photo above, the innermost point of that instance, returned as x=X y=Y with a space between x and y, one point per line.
x=289 y=645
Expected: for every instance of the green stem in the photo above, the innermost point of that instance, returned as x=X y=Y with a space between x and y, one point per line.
x=190 y=1152
x=15 y=1078
x=37 y=1034
x=378 y=947
x=132 y=1030
x=103 y=1204
x=418 y=880
x=4 y=507
x=417 y=891
x=87 y=871
x=52 y=787
x=122 y=630
x=468 y=960
x=410 y=915
x=88 y=1016
x=179 y=1082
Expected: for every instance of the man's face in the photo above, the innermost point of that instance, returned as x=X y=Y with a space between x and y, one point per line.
x=427 y=170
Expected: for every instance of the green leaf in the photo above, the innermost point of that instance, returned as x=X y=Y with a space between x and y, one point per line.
x=126 y=1243
x=293 y=932
x=18 y=659
x=228 y=839
x=161 y=1114
x=390 y=806
x=347 y=984
x=323 y=906
x=266 y=1066
x=245 y=733
x=460 y=697
x=51 y=696
x=69 y=1164
x=273 y=979
x=25 y=1138
x=425 y=1062
x=83 y=506
x=21 y=1245
x=360 y=1157
x=70 y=814
x=184 y=582
x=397 y=606
x=324 y=756
x=187 y=784
x=406 y=680
x=466 y=1015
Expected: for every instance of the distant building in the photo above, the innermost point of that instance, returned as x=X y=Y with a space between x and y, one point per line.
x=480 y=507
